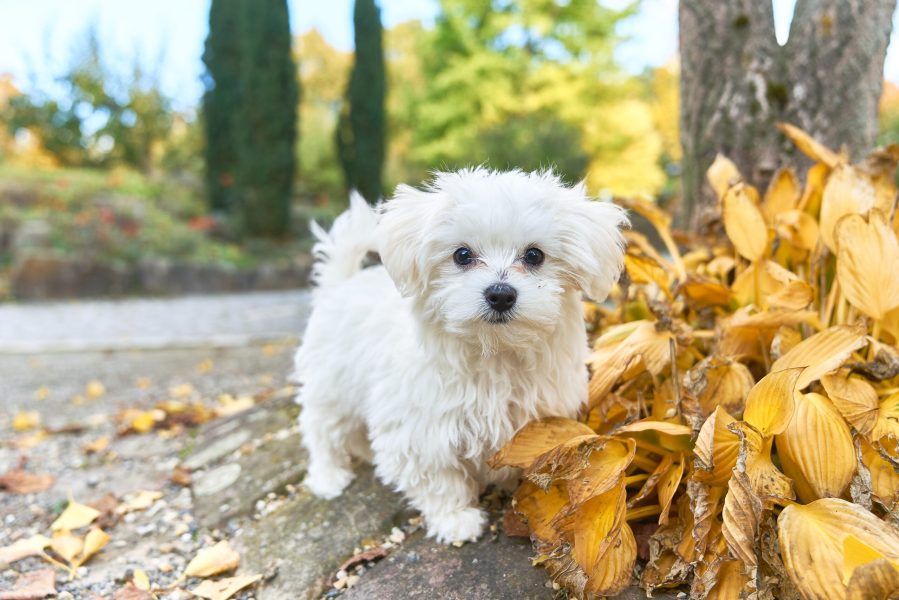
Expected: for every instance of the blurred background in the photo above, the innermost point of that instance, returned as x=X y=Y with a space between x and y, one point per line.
x=182 y=146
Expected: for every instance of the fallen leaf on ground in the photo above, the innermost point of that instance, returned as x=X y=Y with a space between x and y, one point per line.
x=213 y=560
x=141 y=500
x=229 y=405
x=42 y=393
x=75 y=516
x=25 y=420
x=67 y=546
x=94 y=541
x=94 y=389
x=32 y=586
x=107 y=505
x=23 y=548
x=224 y=588
x=514 y=525
x=181 y=476
x=183 y=390
x=96 y=446
x=130 y=592
x=369 y=555
x=20 y=481
x=141 y=580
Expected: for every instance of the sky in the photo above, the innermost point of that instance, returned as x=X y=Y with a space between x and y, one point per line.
x=37 y=36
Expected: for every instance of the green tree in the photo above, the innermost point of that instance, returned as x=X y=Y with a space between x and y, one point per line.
x=267 y=118
x=531 y=83
x=102 y=118
x=221 y=102
x=360 y=130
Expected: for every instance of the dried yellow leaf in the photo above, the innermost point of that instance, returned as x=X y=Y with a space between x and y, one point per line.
x=611 y=572
x=716 y=449
x=722 y=174
x=667 y=487
x=740 y=518
x=565 y=461
x=94 y=389
x=770 y=404
x=644 y=269
x=604 y=471
x=884 y=478
x=94 y=541
x=539 y=508
x=848 y=192
x=183 y=390
x=730 y=583
x=140 y=500
x=857 y=553
x=592 y=525
x=855 y=398
x=810 y=146
x=887 y=424
x=769 y=484
x=25 y=420
x=140 y=580
x=67 y=546
x=875 y=580
x=744 y=223
x=727 y=386
x=816 y=449
x=213 y=560
x=23 y=548
x=782 y=195
x=822 y=353
x=867 y=256
x=536 y=438
x=224 y=588
x=75 y=516
x=705 y=292
x=814 y=534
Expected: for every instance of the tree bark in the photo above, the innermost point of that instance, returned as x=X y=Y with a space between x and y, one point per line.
x=737 y=82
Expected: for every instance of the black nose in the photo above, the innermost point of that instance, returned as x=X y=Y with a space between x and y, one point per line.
x=500 y=296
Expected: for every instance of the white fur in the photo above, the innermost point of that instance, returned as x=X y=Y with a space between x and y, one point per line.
x=403 y=370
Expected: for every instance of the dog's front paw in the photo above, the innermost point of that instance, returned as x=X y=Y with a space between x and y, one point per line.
x=329 y=483
x=465 y=525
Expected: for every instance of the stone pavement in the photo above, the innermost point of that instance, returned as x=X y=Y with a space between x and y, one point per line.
x=220 y=320
x=245 y=470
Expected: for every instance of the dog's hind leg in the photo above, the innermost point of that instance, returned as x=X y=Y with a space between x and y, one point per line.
x=327 y=434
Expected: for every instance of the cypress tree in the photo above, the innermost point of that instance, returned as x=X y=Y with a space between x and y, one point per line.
x=361 y=130
x=220 y=102
x=267 y=119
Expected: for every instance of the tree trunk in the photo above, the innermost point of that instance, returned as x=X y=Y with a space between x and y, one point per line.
x=737 y=82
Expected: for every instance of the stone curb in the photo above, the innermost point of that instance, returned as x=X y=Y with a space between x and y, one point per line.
x=141 y=343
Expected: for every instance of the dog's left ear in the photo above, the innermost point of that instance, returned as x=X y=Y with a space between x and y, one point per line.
x=406 y=219
x=594 y=244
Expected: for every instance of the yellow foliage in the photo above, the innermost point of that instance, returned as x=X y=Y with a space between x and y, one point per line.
x=624 y=148
x=746 y=395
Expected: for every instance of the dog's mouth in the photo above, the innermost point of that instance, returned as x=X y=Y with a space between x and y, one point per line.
x=498 y=318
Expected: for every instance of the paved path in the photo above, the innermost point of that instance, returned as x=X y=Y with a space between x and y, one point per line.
x=227 y=320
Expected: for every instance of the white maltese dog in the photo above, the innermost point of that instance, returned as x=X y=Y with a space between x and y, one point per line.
x=473 y=327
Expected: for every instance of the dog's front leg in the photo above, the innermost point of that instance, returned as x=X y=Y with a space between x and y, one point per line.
x=436 y=483
x=448 y=500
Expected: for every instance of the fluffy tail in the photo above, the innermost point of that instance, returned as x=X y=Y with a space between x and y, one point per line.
x=340 y=252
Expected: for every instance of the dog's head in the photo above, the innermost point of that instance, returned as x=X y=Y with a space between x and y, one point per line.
x=493 y=253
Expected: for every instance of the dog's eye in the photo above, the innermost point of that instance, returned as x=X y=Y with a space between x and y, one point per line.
x=533 y=257
x=463 y=256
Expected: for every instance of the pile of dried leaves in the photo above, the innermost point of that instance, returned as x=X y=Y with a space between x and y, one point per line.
x=743 y=427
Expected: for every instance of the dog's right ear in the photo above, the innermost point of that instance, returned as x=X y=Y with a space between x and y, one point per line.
x=407 y=218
